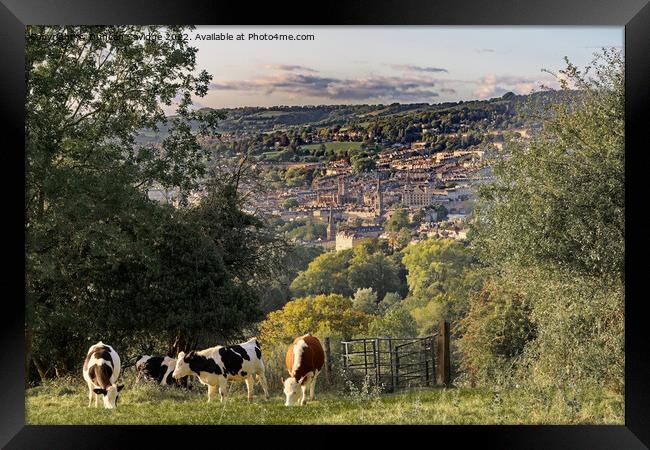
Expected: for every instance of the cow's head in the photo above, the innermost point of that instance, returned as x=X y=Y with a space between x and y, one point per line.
x=291 y=391
x=110 y=395
x=139 y=367
x=183 y=365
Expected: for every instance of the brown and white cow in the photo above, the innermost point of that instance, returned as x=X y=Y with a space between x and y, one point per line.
x=304 y=361
x=101 y=370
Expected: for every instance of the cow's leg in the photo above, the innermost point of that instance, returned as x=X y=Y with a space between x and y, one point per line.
x=222 y=389
x=265 y=386
x=304 y=387
x=311 y=388
x=211 y=391
x=90 y=395
x=250 y=384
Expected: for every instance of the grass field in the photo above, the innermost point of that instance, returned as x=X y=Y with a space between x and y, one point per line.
x=335 y=145
x=65 y=402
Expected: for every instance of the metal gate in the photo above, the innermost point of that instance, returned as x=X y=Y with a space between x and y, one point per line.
x=415 y=363
x=392 y=363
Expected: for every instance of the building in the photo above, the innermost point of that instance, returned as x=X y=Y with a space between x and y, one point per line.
x=331 y=228
x=422 y=196
x=352 y=236
x=380 y=199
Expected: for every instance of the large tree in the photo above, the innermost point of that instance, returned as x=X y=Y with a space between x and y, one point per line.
x=552 y=224
x=101 y=257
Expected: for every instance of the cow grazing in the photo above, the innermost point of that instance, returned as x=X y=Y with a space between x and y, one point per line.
x=217 y=365
x=304 y=361
x=101 y=370
x=159 y=368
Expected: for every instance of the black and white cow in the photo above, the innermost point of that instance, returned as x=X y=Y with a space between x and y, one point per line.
x=101 y=370
x=217 y=365
x=158 y=368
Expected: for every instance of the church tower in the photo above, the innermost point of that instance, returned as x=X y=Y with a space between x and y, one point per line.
x=331 y=229
x=380 y=199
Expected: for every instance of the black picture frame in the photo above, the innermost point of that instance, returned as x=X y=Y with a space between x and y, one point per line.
x=633 y=14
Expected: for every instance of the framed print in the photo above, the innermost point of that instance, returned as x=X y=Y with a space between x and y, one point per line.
x=286 y=222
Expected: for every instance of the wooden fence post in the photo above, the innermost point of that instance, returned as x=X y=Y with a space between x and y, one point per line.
x=328 y=360
x=443 y=372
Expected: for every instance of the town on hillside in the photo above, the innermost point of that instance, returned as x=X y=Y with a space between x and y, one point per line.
x=334 y=175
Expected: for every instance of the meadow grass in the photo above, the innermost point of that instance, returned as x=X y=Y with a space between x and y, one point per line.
x=335 y=145
x=65 y=402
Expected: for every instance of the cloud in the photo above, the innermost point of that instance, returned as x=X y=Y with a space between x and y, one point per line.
x=492 y=85
x=307 y=85
x=290 y=68
x=412 y=68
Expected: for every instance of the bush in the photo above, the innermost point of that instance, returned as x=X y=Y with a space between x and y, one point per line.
x=494 y=332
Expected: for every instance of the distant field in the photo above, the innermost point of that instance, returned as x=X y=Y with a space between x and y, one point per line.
x=270 y=114
x=335 y=146
x=66 y=403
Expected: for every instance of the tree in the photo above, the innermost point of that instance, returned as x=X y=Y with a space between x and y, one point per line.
x=92 y=236
x=365 y=300
x=399 y=219
x=275 y=293
x=326 y=274
x=438 y=281
x=432 y=263
x=569 y=210
x=320 y=315
x=397 y=322
x=290 y=203
x=363 y=164
x=390 y=300
x=552 y=223
x=373 y=270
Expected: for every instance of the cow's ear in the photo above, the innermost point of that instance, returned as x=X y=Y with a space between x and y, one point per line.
x=189 y=355
x=99 y=391
x=120 y=387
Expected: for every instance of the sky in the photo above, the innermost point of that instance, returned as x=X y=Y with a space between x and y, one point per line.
x=387 y=64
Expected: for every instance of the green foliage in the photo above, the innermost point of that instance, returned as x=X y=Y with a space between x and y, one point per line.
x=321 y=315
x=308 y=231
x=343 y=272
x=399 y=219
x=373 y=270
x=559 y=197
x=102 y=260
x=290 y=203
x=397 y=322
x=495 y=331
x=390 y=300
x=365 y=300
x=363 y=164
x=431 y=264
x=439 y=282
x=580 y=334
x=552 y=224
x=326 y=274
x=276 y=292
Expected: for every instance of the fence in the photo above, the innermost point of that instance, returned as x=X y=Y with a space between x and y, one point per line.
x=398 y=362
